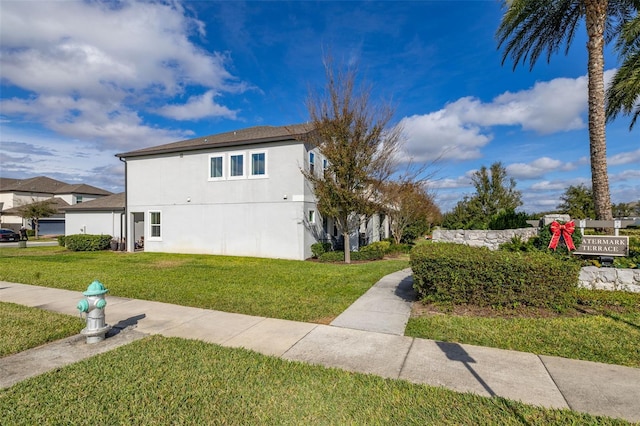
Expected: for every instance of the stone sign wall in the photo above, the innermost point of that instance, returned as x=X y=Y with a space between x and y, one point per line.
x=595 y=278
x=482 y=238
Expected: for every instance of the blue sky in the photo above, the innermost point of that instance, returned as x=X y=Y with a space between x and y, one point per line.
x=82 y=81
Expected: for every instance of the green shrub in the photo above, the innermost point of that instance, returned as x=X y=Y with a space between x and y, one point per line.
x=518 y=244
x=377 y=249
x=61 y=239
x=87 y=242
x=399 y=248
x=338 y=256
x=318 y=249
x=459 y=274
x=509 y=219
x=544 y=238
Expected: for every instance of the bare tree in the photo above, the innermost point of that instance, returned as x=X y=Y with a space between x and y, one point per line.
x=355 y=138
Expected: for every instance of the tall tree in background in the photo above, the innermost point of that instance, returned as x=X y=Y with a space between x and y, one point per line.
x=353 y=134
x=495 y=193
x=531 y=27
x=577 y=202
x=624 y=91
x=37 y=210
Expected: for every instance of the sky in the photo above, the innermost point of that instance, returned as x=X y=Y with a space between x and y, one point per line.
x=81 y=81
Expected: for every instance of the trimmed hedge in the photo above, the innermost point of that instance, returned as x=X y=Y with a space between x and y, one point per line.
x=460 y=274
x=338 y=256
x=87 y=242
x=61 y=240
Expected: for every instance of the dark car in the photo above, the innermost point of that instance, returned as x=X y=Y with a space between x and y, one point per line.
x=8 y=235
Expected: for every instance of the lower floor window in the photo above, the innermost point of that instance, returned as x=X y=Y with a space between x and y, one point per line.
x=155 y=224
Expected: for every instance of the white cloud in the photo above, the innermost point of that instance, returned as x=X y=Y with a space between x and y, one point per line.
x=197 y=107
x=539 y=167
x=88 y=66
x=627 y=175
x=561 y=185
x=624 y=158
x=462 y=128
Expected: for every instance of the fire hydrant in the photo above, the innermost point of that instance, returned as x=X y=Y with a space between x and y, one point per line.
x=93 y=306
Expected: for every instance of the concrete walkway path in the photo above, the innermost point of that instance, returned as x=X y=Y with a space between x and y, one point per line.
x=553 y=382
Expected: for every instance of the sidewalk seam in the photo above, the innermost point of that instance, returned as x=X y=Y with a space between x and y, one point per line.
x=404 y=361
x=554 y=382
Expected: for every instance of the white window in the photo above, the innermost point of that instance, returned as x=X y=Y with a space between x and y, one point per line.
x=258 y=164
x=312 y=162
x=155 y=225
x=312 y=216
x=216 y=167
x=236 y=165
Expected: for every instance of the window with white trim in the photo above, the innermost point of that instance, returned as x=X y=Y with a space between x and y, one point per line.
x=258 y=164
x=155 y=225
x=216 y=167
x=236 y=165
x=312 y=216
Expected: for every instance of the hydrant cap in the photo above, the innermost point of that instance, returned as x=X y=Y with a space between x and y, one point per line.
x=95 y=288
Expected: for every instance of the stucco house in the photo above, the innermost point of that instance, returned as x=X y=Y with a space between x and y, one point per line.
x=15 y=193
x=104 y=215
x=238 y=193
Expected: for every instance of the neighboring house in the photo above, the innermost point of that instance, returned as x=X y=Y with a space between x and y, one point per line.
x=239 y=193
x=104 y=215
x=15 y=193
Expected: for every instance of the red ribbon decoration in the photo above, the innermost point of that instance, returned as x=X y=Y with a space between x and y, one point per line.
x=565 y=230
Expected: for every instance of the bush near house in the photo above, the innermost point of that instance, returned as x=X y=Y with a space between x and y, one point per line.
x=318 y=249
x=87 y=242
x=338 y=256
x=460 y=274
x=61 y=240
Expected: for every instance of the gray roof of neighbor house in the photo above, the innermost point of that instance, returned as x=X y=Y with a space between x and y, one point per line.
x=46 y=185
x=251 y=135
x=109 y=203
x=57 y=203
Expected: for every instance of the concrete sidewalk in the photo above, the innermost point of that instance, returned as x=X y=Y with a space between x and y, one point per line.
x=358 y=340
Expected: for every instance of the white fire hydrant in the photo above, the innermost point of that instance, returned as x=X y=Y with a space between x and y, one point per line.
x=93 y=306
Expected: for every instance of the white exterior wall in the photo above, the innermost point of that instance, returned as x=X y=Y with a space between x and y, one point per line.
x=95 y=223
x=262 y=217
x=17 y=199
x=71 y=198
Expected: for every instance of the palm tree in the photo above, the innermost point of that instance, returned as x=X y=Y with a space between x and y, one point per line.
x=622 y=95
x=531 y=27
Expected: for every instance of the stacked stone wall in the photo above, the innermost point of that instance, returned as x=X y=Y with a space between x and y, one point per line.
x=482 y=238
x=595 y=278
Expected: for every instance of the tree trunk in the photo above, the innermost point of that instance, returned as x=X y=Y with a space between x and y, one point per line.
x=596 y=13
x=347 y=246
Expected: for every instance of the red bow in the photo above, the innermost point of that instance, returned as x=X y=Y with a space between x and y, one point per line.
x=565 y=230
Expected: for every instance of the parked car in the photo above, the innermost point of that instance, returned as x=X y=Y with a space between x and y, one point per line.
x=8 y=235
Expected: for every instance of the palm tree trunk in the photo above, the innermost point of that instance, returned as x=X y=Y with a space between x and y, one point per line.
x=596 y=14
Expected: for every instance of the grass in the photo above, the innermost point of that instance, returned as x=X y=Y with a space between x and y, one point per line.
x=286 y=289
x=162 y=381
x=22 y=327
x=604 y=327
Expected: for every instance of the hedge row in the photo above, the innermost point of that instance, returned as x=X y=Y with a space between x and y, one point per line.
x=338 y=256
x=87 y=242
x=460 y=274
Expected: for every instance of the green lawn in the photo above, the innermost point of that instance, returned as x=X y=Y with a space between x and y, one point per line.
x=609 y=338
x=286 y=289
x=22 y=327
x=159 y=381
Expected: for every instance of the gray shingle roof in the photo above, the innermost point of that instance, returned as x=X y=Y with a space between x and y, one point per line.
x=251 y=135
x=57 y=203
x=113 y=202
x=46 y=185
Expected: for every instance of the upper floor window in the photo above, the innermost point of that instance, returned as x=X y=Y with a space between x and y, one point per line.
x=216 y=170
x=236 y=165
x=258 y=164
x=312 y=162
x=78 y=199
